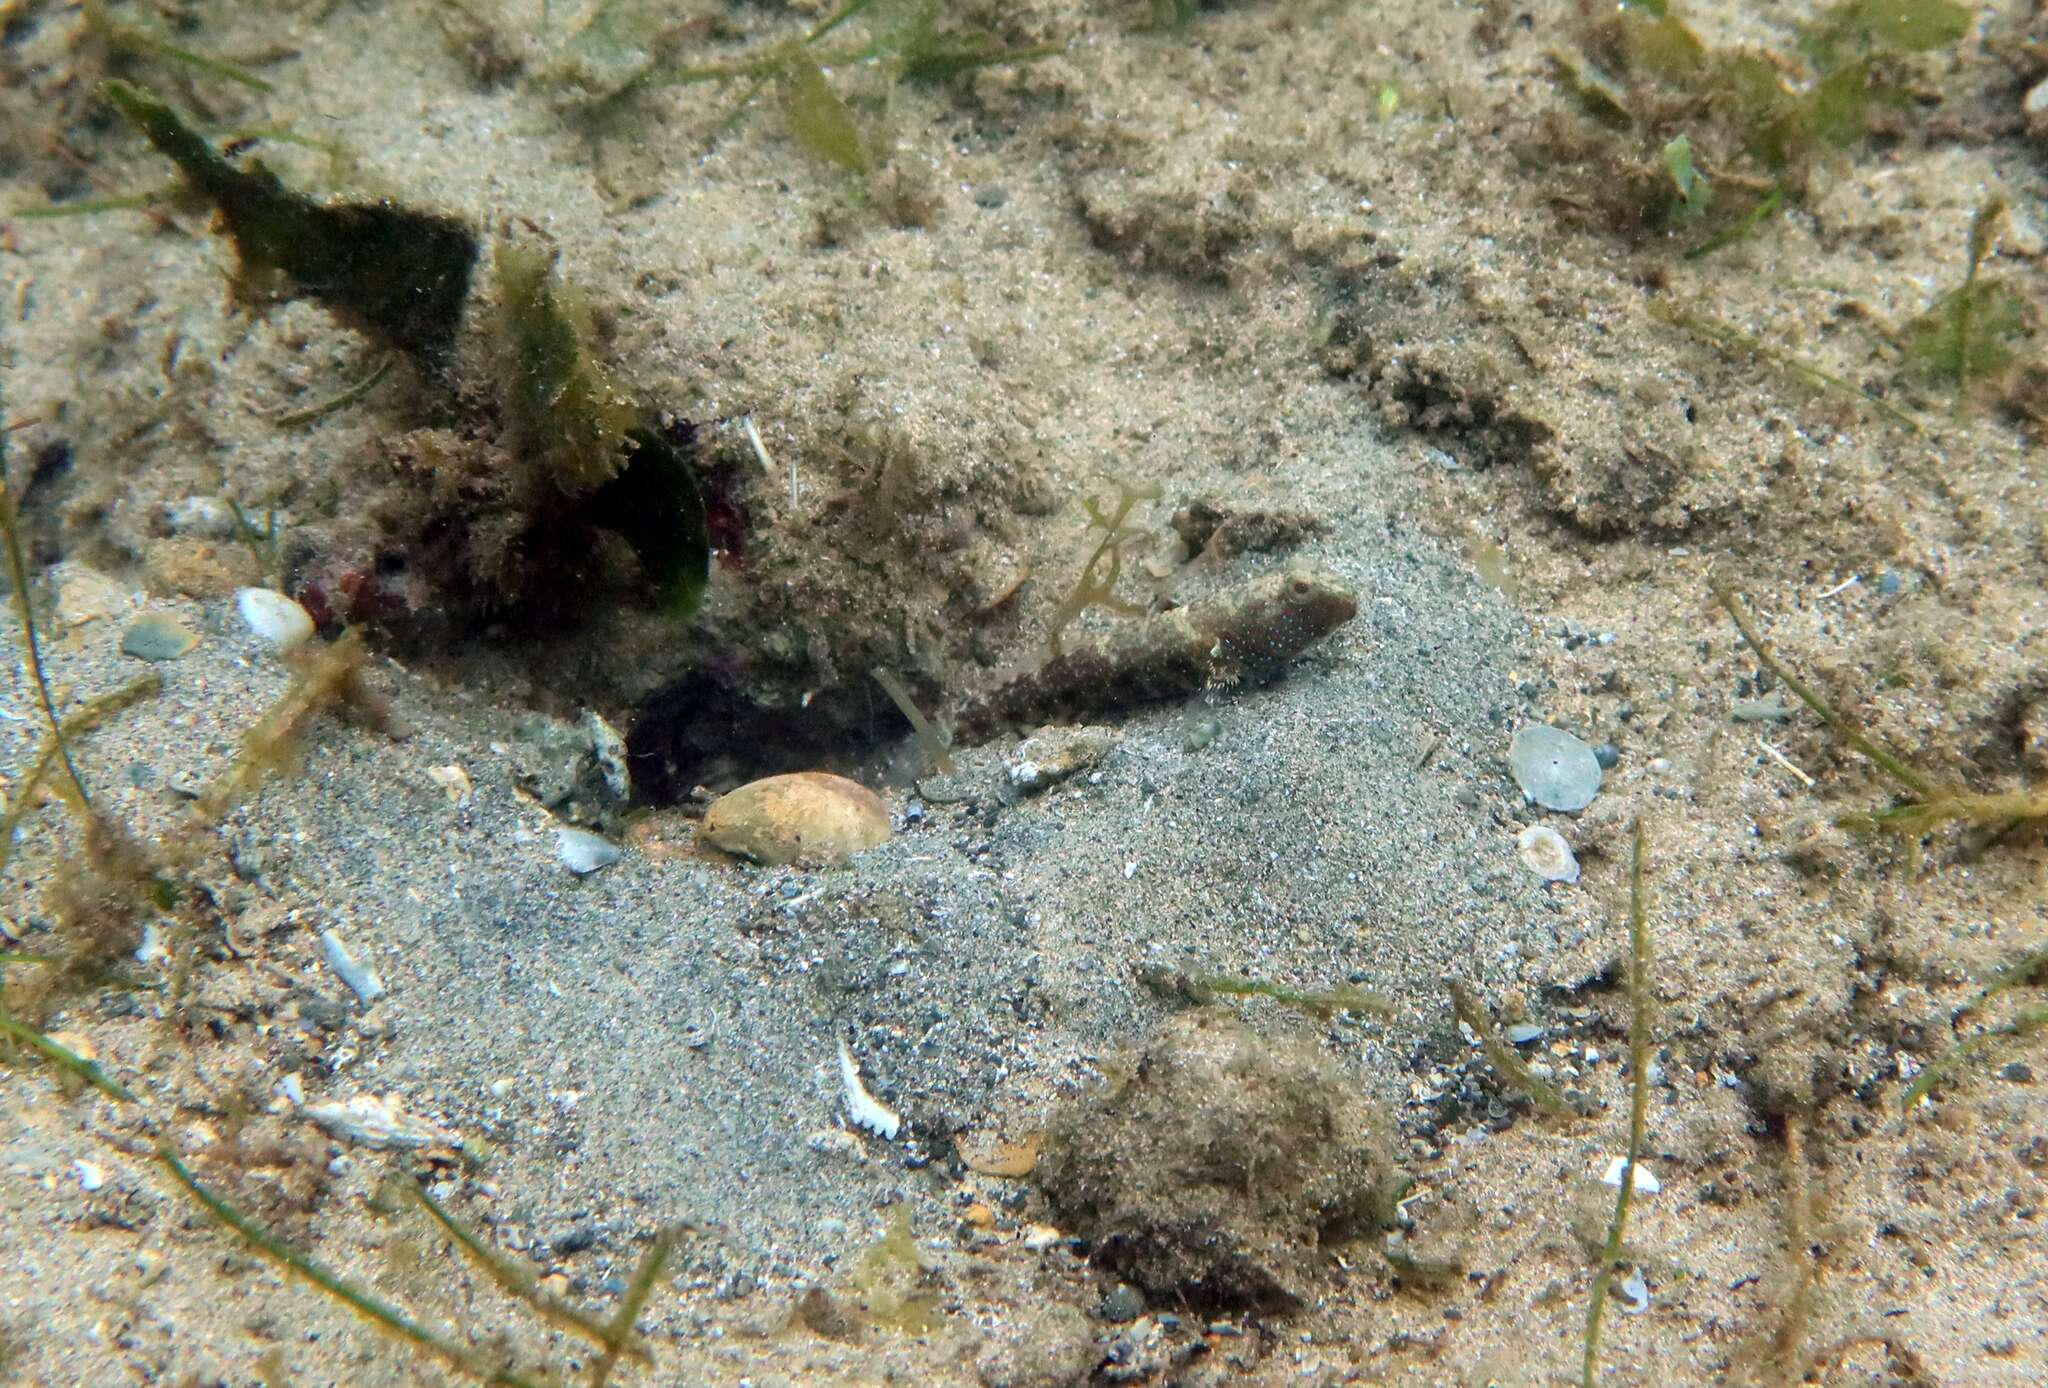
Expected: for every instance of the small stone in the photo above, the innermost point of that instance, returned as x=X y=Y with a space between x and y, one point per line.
x=1769 y=710
x=154 y=636
x=1553 y=768
x=85 y=595
x=609 y=751
x=1039 y=1237
x=1544 y=852
x=583 y=852
x=1634 y=1293
x=808 y=817
x=1888 y=585
x=1608 y=755
x=1124 y=1303
x=207 y=517
x=274 y=617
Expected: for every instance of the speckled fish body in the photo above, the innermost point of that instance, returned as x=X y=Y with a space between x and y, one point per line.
x=1244 y=634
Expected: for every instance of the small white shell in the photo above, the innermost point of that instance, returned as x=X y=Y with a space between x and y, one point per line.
x=863 y=1108
x=583 y=852
x=1646 y=1179
x=274 y=617
x=1544 y=852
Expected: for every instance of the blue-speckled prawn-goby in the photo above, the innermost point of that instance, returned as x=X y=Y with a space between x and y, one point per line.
x=1248 y=633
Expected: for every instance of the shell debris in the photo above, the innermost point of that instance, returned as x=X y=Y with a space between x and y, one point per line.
x=1544 y=852
x=1553 y=768
x=863 y=1108
x=274 y=617
x=376 y=1122
x=583 y=852
x=1646 y=1180
x=361 y=978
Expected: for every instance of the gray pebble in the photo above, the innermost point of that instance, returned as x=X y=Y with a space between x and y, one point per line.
x=1608 y=755
x=1125 y=1303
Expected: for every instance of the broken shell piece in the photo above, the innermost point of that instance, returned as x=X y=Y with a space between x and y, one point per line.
x=361 y=979
x=583 y=852
x=1646 y=1179
x=863 y=1108
x=807 y=817
x=374 y=1122
x=274 y=617
x=453 y=779
x=1635 y=1293
x=1553 y=768
x=1544 y=852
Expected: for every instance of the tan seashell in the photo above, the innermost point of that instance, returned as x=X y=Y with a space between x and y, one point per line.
x=808 y=817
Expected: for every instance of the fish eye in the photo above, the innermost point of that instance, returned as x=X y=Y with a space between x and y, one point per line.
x=1300 y=586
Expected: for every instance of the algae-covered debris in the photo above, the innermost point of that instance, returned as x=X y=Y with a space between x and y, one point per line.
x=1219 y=1166
x=1683 y=123
x=1467 y=1007
x=396 y=274
x=579 y=437
x=890 y=1282
x=126 y=43
x=1932 y=804
x=564 y=414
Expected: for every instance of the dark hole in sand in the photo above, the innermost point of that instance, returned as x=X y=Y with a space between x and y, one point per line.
x=705 y=730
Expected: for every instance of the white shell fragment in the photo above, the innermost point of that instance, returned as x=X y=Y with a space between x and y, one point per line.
x=374 y=1122
x=361 y=979
x=1635 y=1293
x=274 y=617
x=583 y=852
x=863 y=1108
x=1553 y=768
x=1544 y=852
x=1646 y=1179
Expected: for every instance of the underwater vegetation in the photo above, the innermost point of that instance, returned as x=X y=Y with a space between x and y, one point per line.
x=1678 y=135
x=398 y=275
x=1928 y=805
x=555 y=490
x=1966 y=338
